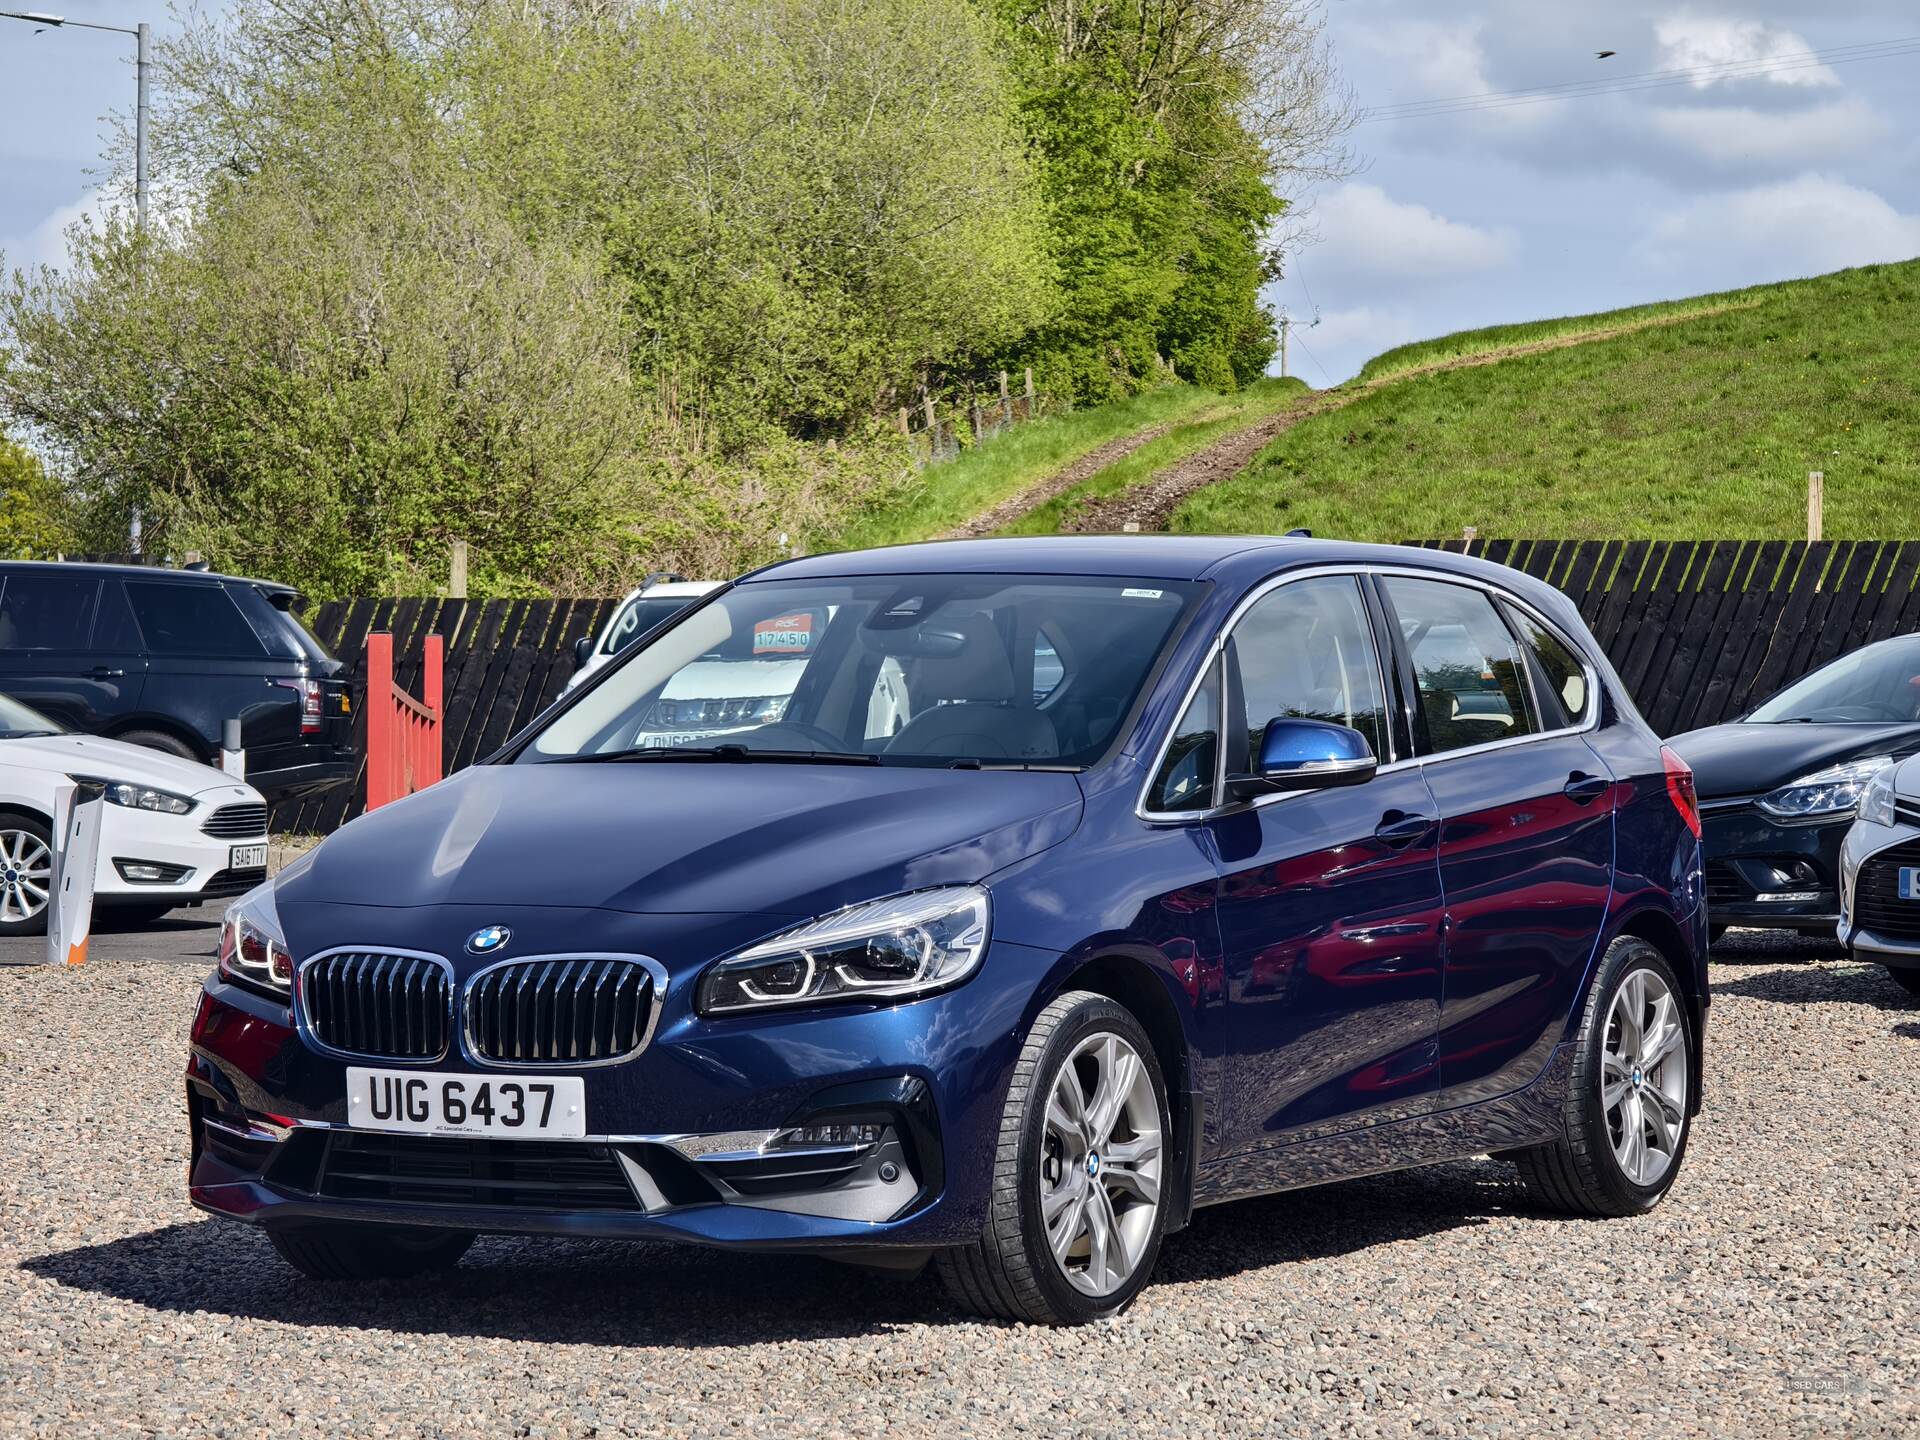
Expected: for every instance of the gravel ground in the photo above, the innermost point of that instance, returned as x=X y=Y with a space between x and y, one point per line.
x=1773 y=1293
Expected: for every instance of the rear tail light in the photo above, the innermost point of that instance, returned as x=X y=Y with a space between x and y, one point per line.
x=309 y=693
x=1680 y=789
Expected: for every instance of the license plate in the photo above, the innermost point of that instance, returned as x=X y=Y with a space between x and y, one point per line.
x=415 y=1102
x=247 y=857
x=1909 y=882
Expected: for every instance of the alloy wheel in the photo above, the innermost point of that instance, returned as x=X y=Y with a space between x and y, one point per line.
x=1100 y=1164
x=1643 y=1076
x=26 y=875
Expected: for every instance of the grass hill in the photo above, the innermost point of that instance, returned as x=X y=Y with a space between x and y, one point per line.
x=1698 y=418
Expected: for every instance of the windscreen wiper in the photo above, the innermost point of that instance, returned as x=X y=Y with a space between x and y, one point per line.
x=721 y=754
x=970 y=763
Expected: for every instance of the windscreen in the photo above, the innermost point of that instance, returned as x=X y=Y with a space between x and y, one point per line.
x=908 y=670
x=18 y=721
x=1878 y=684
x=641 y=614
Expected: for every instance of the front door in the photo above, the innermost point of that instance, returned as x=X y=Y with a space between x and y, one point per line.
x=46 y=655
x=1526 y=850
x=1330 y=903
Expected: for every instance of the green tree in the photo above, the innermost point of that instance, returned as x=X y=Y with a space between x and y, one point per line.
x=1164 y=128
x=36 y=515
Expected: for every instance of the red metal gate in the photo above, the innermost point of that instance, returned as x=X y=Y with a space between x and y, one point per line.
x=403 y=734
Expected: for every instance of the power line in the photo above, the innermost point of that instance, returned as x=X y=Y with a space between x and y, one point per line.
x=1325 y=374
x=1646 y=80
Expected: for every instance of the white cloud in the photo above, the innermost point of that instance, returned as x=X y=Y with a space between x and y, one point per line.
x=1732 y=136
x=1801 y=226
x=1364 y=232
x=1687 y=40
x=1431 y=60
x=46 y=243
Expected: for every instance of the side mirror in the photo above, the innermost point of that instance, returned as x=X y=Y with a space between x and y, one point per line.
x=1306 y=755
x=582 y=651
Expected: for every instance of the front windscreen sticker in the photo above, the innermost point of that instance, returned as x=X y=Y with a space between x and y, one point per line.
x=784 y=635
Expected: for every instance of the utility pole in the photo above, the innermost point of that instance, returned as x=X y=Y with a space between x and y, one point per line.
x=143 y=44
x=1285 y=325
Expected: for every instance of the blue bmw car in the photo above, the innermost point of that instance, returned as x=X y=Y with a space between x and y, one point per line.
x=1064 y=887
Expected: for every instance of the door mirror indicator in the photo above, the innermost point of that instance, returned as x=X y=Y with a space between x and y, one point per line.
x=1300 y=754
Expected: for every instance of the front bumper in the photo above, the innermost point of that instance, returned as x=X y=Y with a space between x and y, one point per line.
x=674 y=1149
x=1768 y=874
x=1874 y=921
x=194 y=866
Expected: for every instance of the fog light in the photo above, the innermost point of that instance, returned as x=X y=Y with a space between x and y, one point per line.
x=1788 y=896
x=809 y=1137
x=151 y=872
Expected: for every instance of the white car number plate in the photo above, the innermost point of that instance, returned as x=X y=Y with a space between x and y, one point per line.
x=425 y=1102
x=1909 y=883
x=247 y=857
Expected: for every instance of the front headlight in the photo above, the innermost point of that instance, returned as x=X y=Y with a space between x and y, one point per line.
x=145 y=797
x=253 y=948
x=909 y=944
x=1825 y=794
x=1876 y=801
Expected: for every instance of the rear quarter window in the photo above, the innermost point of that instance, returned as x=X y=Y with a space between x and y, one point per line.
x=192 y=619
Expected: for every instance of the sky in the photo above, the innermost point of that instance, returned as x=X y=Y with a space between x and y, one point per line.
x=1450 y=221
x=1531 y=211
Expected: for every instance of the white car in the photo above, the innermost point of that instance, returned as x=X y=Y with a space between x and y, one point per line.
x=175 y=832
x=658 y=599
x=1880 y=875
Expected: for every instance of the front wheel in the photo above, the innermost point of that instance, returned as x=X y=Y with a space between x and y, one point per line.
x=1076 y=1212
x=334 y=1251
x=26 y=875
x=1626 y=1109
x=1908 y=980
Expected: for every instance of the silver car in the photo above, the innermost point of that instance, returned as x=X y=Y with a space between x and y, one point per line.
x=1880 y=874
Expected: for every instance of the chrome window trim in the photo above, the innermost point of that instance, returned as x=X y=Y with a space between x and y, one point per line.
x=305 y=1028
x=1589 y=722
x=471 y=1053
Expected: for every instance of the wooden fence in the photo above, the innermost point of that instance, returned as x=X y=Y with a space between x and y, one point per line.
x=1698 y=631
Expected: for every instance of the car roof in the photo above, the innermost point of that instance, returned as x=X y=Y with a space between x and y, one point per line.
x=1159 y=557
x=142 y=572
x=1226 y=558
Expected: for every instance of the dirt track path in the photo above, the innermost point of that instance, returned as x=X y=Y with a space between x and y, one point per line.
x=1085 y=468
x=1151 y=505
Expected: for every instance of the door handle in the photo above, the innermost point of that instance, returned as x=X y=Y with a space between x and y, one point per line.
x=103 y=672
x=1584 y=789
x=1398 y=829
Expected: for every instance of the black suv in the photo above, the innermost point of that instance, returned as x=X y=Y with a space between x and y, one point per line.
x=165 y=657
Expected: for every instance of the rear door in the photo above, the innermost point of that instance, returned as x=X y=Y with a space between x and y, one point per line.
x=1526 y=844
x=47 y=659
x=206 y=665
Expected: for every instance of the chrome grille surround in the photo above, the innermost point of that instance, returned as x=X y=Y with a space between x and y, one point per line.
x=572 y=987
x=347 y=994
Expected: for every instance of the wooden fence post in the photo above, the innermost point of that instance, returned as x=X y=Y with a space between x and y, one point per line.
x=1029 y=390
x=1816 y=503
x=1006 y=401
x=457 y=572
x=933 y=428
x=383 y=723
x=903 y=420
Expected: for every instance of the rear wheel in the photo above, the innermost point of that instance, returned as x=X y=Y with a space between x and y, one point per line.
x=1076 y=1212
x=1626 y=1106
x=1907 y=980
x=369 y=1252
x=26 y=874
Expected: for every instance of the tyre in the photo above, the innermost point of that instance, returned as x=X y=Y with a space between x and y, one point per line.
x=368 y=1252
x=1907 y=980
x=26 y=874
x=161 y=740
x=1076 y=1211
x=1626 y=1106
